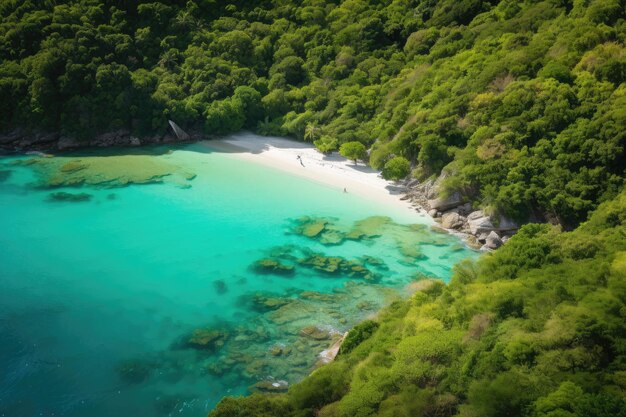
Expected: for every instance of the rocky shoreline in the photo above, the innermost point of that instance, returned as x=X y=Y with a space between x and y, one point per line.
x=456 y=215
x=21 y=140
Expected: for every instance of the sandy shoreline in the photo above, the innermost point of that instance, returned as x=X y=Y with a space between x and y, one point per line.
x=332 y=170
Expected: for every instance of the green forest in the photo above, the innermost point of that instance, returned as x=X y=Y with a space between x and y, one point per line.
x=520 y=104
x=535 y=329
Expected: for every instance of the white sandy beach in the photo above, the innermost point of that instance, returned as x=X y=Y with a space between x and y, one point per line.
x=333 y=170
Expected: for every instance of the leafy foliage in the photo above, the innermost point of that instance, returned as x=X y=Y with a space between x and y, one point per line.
x=535 y=337
x=396 y=168
x=353 y=150
x=522 y=102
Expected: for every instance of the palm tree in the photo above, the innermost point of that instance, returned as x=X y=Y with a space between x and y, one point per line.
x=311 y=132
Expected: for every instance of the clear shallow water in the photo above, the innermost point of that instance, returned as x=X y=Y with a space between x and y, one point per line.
x=99 y=299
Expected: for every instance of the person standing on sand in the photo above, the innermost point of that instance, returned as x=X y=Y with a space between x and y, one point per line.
x=300 y=159
x=344 y=190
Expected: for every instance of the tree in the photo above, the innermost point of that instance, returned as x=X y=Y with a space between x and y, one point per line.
x=353 y=150
x=311 y=132
x=326 y=144
x=396 y=168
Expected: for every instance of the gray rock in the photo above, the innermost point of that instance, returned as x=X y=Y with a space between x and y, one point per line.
x=134 y=141
x=451 y=220
x=413 y=183
x=505 y=239
x=446 y=203
x=11 y=137
x=66 y=142
x=432 y=213
x=465 y=209
x=38 y=139
x=493 y=241
x=430 y=190
x=479 y=223
x=482 y=238
x=475 y=215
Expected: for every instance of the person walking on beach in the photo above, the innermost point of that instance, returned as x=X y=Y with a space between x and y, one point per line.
x=300 y=159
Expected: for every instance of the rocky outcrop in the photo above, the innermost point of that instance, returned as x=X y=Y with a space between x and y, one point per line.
x=21 y=140
x=452 y=220
x=454 y=213
x=493 y=241
x=446 y=203
x=479 y=223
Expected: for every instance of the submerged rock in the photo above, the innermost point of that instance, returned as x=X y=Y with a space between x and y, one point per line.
x=368 y=228
x=103 y=170
x=310 y=226
x=332 y=237
x=316 y=333
x=220 y=286
x=73 y=198
x=134 y=371
x=73 y=166
x=280 y=350
x=270 y=386
x=206 y=339
x=334 y=265
x=272 y=266
x=262 y=303
x=375 y=262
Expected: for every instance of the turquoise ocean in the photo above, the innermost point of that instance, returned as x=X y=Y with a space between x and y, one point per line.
x=127 y=299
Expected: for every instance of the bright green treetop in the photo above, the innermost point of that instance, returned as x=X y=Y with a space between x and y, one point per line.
x=353 y=150
x=396 y=168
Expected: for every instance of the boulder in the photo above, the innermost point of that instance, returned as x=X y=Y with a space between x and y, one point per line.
x=451 y=220
x=446 y=203
x=206 y=339
x=432 y=212
x=465 y=209
x=315 y=333
x=272 y=266
x=479 y=223
x=493 y=241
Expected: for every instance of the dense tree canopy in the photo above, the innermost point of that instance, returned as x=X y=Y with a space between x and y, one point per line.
x=521 y=102
x=396 y=168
